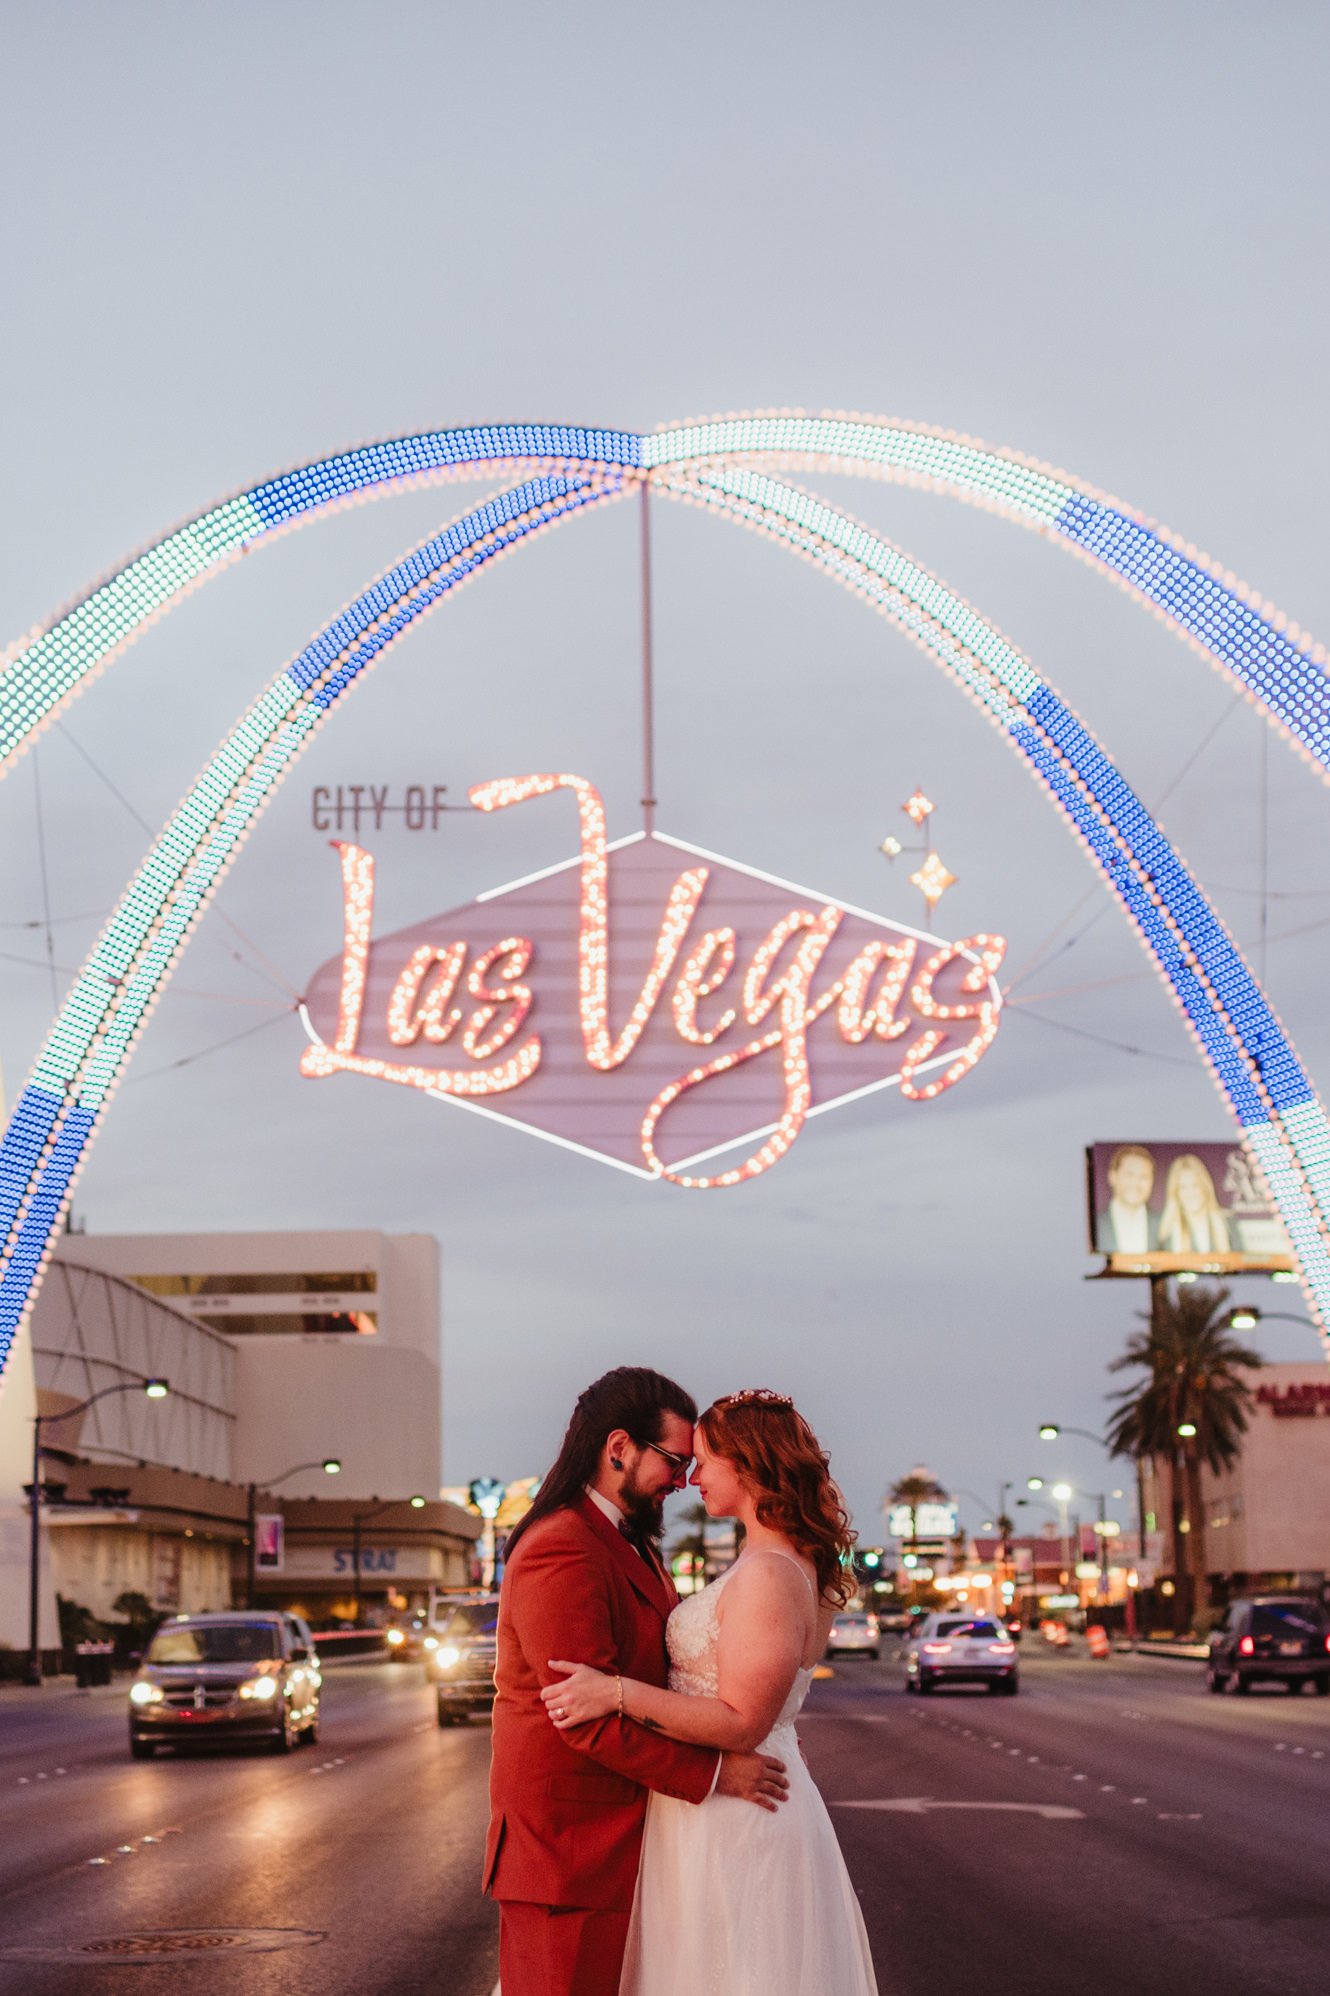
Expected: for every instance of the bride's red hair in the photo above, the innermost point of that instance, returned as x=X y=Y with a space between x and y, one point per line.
x=777 y=1455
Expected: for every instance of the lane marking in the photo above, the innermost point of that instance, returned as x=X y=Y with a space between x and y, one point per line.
x=921 y=1805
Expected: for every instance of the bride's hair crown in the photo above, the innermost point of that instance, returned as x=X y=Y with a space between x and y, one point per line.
x=755 y=1396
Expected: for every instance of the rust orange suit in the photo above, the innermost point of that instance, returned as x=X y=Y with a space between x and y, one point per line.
x=567 y=1809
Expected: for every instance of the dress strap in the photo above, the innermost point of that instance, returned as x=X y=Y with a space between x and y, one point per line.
x=774 y=1552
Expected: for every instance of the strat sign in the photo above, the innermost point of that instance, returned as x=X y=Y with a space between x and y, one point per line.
x=648 y=1003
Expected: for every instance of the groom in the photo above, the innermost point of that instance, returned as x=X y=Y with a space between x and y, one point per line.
x=584 y=1579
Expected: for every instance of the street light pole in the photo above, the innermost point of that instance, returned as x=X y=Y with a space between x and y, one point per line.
x=154 y=1389
x=359 y=1518
x=329 y=1464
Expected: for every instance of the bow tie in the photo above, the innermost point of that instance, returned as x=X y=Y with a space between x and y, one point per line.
x=636 y=1538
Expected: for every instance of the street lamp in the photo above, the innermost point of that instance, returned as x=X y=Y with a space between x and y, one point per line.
x=1050 y=1430
x=329 y=1464
x=152 y=1389
x=359 y=1518
x=1246 y=1317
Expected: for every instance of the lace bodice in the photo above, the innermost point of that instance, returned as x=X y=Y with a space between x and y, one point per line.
x=692 y=1636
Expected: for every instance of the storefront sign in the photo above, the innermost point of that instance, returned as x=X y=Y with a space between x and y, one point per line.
x=1300 y=1400
x=648 y=1002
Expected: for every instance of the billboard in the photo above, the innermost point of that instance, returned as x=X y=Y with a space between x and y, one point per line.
x=922 y=1521
x=1160 y=1208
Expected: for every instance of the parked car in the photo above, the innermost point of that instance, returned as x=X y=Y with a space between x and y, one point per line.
x=460 y=1665
x=1282 y=1638
x=948 y=1648
x=237 y=1676
x=855 y=1631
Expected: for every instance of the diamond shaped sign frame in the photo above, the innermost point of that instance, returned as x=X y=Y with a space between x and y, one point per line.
x=648 y=1003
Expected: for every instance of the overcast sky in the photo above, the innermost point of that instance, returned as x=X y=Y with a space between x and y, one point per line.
x=237 y=238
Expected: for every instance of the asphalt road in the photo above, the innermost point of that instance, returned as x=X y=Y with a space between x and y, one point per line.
x=1113 y=1829
x=1196 y=1862
x=357 y=1860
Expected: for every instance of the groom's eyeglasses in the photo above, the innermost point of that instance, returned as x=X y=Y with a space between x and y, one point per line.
x=680 y=1464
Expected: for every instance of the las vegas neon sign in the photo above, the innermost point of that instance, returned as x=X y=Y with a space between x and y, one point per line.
x=711 y=1014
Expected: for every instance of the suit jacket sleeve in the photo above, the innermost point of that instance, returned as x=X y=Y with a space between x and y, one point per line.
x=564 y=1609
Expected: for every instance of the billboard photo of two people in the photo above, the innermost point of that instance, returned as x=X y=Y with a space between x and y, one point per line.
x=1159 y=1208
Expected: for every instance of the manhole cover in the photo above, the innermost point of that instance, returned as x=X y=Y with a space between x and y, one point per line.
x=171 y=1944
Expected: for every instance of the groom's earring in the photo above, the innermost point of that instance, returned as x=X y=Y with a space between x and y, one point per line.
x=615 y=1462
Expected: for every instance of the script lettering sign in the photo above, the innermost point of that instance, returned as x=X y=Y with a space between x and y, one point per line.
x=647 y=1002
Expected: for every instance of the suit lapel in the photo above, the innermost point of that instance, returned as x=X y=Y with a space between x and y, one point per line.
x=645 y=1575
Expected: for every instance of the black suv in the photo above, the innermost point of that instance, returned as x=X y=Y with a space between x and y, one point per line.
x=1282 y=1637
x=460 y=1661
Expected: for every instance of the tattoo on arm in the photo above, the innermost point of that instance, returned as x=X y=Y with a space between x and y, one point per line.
x=652 y=1725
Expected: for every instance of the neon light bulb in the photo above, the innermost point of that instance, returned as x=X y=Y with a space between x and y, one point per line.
x=513 y=958
x=405 y=1022
x=593 y=957
x=706 y=969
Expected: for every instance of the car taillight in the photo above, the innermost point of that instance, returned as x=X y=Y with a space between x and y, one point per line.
x=1327 y=1642
x=1247 y=1646
x=937 y=1649
x=1003 y=1649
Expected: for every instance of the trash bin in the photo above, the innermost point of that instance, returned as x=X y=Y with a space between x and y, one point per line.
x=92 y=1664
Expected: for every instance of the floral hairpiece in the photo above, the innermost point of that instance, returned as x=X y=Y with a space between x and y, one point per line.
x=756 y=1396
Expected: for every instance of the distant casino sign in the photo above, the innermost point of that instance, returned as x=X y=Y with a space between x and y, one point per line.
x=648 y=1003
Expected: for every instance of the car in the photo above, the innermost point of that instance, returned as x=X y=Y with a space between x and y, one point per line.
x=854 y=1632
x=893 y=1621
x=226 y=1677
x=404 y=1639
x=459 y=1657
x=1279 y=1638
x=948 y=1648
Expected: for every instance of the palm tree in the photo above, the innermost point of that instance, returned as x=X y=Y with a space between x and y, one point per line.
x=1193 y=1379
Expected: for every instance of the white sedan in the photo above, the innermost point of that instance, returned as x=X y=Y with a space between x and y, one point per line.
x=960 y=1649
x=854 y=1632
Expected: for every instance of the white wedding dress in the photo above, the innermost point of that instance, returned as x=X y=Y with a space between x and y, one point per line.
x=733 y=1900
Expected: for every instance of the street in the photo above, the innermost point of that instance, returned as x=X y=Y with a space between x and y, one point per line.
x=1113 y=1828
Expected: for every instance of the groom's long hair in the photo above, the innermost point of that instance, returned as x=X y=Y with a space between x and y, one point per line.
x=633 y=1398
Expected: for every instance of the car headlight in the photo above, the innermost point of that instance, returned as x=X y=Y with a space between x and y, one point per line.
x=395 y=1637
x=446 y=1656
x=264 y=1687
x=142 y=1692
x=431 y=1642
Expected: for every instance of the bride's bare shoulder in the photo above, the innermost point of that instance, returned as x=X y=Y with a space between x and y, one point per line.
x=764 y=1575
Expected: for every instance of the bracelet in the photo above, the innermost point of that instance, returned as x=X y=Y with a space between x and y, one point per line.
x=619 y=1684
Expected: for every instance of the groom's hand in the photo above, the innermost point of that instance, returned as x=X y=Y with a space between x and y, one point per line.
x=753 y=1777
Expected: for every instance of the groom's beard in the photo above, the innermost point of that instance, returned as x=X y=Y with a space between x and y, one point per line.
x=644 y=1513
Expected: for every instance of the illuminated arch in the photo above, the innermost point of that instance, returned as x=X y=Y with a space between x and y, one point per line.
x=109 y=1003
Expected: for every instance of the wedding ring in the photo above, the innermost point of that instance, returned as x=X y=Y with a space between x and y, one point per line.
x=559 y=1712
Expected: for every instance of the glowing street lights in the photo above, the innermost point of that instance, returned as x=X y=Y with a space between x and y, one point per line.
x=152 y=1389
x=1246 y=1316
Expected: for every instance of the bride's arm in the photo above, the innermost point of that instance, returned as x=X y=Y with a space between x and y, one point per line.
x=763 y=1628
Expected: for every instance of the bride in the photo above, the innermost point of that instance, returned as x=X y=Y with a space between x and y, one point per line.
x=729 y=1897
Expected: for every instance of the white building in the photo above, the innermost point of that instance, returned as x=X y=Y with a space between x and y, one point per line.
x=333 y=1340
